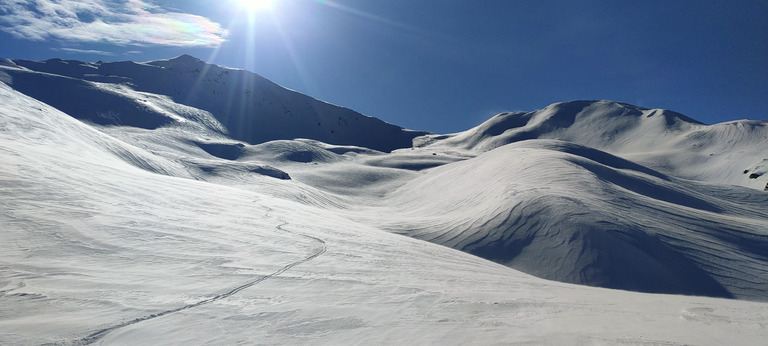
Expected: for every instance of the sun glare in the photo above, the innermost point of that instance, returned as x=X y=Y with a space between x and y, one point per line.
x=256 y=5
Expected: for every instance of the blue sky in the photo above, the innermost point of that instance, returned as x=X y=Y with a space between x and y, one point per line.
x=437 y=65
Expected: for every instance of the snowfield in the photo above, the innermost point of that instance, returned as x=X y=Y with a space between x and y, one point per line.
x=139 y=207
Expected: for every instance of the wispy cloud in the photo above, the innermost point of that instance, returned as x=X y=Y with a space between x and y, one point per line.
x=84 y=51
x=126 y=22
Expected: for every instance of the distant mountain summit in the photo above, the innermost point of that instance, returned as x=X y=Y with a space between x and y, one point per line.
x=598 y=123
x=241 y=104
x=661 y=139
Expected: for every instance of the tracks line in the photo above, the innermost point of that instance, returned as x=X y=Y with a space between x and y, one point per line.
x=95 y=336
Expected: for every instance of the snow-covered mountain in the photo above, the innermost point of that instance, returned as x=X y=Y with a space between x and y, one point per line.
x=160 y=202
x=238 y=103
x=670 y=142
x=570 y=213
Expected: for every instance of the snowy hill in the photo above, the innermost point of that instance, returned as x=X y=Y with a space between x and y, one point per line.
x=660 y=139
x=244 y=105
x=135 y=210
x=566 y=212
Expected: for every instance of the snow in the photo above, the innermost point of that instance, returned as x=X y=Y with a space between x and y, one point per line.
x=183 y=233
x=663 y=140
x=565 y=212
x=249 y=107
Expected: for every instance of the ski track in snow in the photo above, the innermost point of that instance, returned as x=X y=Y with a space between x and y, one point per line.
x=95 y=336
x=568 y=190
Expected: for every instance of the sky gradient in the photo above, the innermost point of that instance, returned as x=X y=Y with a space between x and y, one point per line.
x=435 y=65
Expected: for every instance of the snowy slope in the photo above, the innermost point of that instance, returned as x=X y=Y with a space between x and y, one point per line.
x=97 y=249
x=570 y=213
x=660 y=139
x=245 y=105
x=135 y=209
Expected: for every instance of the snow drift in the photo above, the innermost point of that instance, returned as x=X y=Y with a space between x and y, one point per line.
x=565 y=212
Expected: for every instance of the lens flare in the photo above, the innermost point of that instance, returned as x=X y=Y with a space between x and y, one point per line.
x=256 y=5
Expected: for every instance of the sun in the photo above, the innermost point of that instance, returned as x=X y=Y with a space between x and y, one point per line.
x=256 y=5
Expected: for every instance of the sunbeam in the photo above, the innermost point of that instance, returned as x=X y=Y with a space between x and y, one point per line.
x=256 y=5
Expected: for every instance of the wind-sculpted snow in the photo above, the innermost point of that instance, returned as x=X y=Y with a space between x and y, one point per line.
x=161 y=226
x=86 y=100
x=664 y=140
x=565 y=212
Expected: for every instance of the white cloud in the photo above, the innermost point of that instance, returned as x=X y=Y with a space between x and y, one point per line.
x=126 y=22
x=84 y=51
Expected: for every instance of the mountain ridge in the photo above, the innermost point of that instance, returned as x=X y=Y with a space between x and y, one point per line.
x=249 y=107
x=652 y=137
